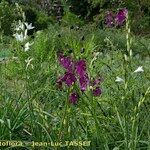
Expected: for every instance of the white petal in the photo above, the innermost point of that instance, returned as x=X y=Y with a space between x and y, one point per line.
x=139 y=69
x=19 y=26
x=27 y=46
x=19 y=37
x=29 y=26
x=118 y=79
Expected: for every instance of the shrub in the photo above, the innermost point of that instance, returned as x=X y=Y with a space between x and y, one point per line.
x=6 y=18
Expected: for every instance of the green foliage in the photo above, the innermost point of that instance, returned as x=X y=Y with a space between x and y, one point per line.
x=6 y=18
x=97 y=2
x=43 y=21
x=71 y=19
x=33 y=108
x=39 y=19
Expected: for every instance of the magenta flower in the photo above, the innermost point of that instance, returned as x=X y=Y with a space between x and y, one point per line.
x=81 y=68
x=84 y=82
x=66 y=62
x=69 y=78
x=121 y=16
x=73 y=98
x=97 y=91
x=83 y=76
x=109 y=19
x=76 y=71
x=96 y=81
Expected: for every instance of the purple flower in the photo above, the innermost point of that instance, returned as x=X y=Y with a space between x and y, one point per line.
x=109 y=19
x=121 y=16
x=97 y=91
x=69 y=78
x=81 y=68
x=73 y=98
x=84 y=82
x=66 y=62
x=96 y=81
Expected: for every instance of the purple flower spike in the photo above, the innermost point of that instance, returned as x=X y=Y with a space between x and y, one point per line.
x=73 y=98
x=81 y=68
x=121 y=16
x=69 y=78
x=97 y=91
x=84 y=82
x=109 y=19
x=66 y=62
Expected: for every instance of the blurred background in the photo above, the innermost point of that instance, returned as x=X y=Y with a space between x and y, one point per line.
x=43 y=13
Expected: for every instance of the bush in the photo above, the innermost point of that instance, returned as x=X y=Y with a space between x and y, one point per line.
x=6 y=18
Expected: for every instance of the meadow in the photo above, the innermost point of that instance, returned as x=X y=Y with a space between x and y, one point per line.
x=72 y=87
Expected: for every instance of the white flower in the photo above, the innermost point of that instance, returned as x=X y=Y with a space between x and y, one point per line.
x=20 y=37
x=139 y=69
x=28 y=61
x=118 y=79
x=27 y=46
x=29 y=26
x=20 y=26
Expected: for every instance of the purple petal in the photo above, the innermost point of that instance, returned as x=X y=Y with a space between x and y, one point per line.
x=66 y=62
x=121 y=16
x=69 y=78
x=81 y=67
x=84 y=82
x=96 y=81
x=97 y=91
x=73 y=98
x=109 y=19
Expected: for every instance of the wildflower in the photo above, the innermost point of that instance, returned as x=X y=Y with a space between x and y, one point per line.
x=73 y=98
x=81 y=68
x=69 y=78
x=76 y=70
x=121 y=16
x=28 y=61
x=84 y=82
x=29 y=26
x=118 y=79
x=139 y=69
x=97 y=91
x=27 y=46
x=19 y=37
x=109 y=20
x=66 y=62
x=96 y=81
x=20 y=26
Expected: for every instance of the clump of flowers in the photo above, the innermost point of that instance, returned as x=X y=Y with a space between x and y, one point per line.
x=121 y=16
x=21 y=29
x=117 y=19
x=76 y=72
x=109 y=19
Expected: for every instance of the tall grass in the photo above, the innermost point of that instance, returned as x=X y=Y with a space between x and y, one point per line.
x=33 y=109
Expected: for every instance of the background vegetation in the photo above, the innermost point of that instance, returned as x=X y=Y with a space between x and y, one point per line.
x=32 y=108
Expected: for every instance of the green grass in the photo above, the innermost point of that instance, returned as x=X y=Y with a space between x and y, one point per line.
x=33 y=109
